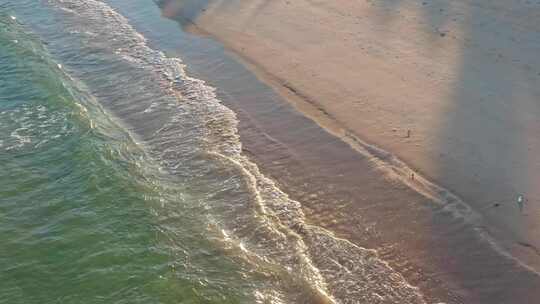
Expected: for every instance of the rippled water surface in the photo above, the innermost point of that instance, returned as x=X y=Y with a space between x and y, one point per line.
x=123 y=180
x=86 y=215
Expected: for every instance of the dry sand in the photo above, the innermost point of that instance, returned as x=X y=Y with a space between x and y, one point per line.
x=446 y=86
x=450 y=87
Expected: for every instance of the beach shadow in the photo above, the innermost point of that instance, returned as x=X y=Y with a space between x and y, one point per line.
x=486 y=143
x=183 y=11
x=494 y=97
x=488 y=134
x=187 y=11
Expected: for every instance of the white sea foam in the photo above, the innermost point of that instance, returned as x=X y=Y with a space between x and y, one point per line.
x=29 y=127
x=268 y=229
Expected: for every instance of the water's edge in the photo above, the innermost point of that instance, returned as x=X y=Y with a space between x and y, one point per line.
x=194 y=138
x=185 y=128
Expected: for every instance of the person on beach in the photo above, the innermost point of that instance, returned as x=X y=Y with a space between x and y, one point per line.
x=521 y=202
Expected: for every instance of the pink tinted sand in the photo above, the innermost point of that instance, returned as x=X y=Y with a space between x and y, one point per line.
x=450 y=87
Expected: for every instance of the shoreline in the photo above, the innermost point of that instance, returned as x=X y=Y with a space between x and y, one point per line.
x=512 y=230
x=345 y=192
x=446 y=291
x=508 y=242
x=245 y=183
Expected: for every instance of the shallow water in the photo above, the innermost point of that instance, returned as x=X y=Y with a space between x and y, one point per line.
x=92 y=215
x=123 y=181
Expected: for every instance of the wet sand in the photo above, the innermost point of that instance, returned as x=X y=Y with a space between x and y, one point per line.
x=346 y=192
x=355 y=190
x=448 y=87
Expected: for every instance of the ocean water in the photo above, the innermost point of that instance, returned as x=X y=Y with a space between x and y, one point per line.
x=87 y=216
x=123 y=181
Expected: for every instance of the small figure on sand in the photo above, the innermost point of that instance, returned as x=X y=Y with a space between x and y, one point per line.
x=521 y=202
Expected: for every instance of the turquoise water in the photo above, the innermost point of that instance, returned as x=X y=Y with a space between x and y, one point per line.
x=86 y=217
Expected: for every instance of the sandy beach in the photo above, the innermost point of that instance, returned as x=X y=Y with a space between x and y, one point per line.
x=448 y=87
x=306 y=152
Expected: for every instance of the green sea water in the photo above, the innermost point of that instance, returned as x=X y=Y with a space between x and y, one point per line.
x=85 y=215
x=123 y=177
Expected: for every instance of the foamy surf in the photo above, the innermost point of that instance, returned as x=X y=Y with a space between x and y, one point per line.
x=198 y=141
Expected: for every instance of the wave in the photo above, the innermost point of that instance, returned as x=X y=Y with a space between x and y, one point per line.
x=194 y=137
x=71 y=174
x=38 y=98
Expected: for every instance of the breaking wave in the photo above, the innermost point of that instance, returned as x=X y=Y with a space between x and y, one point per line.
x=183 y=125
